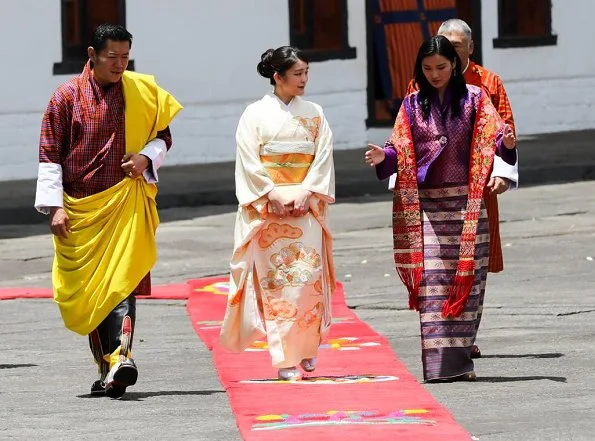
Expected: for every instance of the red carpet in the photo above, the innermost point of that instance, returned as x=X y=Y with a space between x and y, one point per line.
x=359 y=391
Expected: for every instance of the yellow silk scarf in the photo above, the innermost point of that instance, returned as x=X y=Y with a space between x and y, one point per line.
x=112 y=243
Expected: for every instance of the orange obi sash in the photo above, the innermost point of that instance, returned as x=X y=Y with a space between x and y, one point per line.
x=286 y=169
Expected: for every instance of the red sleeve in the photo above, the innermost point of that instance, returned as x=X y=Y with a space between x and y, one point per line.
x=165 y=135
x=55 y=129
x=502 y=104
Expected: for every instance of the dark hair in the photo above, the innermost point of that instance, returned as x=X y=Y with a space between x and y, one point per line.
x=112 y=32
x=279 y=61
x=439 y=45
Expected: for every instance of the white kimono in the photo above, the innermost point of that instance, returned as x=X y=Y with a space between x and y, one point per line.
x=282 y=274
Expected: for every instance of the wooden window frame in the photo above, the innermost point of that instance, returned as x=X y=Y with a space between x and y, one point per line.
x=516 y=41
x=302 y=41
x=72 y=63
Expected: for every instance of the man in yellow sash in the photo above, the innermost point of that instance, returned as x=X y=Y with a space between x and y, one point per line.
x=103 y=137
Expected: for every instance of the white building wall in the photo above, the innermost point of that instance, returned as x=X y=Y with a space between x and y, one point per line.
x=209 y=61
x=205 y=52
x=551 y=88
x=26 y=81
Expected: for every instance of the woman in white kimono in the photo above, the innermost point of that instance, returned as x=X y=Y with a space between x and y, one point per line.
x=282 y=273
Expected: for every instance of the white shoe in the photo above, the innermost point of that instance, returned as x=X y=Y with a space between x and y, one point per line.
x=308 y=364
x=289 y=374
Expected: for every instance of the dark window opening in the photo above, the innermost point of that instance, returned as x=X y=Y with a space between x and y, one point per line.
x=524 y=23
x=79 y=20
x=320 y=29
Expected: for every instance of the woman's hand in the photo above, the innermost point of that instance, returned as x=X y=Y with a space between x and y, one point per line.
x=301 y=204
x=508 y=139
x=374 y=155
x=276 y=205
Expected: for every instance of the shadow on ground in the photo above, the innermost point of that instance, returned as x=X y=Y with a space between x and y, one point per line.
x=525 y=378
x=140 y=396
x=546 y=355
x=17 y=366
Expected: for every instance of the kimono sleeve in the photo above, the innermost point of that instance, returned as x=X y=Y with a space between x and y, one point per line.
x=252 y=180
x=321 y=175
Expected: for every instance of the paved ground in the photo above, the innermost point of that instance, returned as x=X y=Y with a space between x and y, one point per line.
x=536 y=381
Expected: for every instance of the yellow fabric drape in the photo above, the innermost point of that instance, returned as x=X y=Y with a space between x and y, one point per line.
x=149 y=109
x=109 y=251
x=112 y=243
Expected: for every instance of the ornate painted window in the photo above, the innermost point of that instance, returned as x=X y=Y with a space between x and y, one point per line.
x=395 y=30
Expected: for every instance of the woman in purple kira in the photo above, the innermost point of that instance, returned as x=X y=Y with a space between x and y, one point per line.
x=447 y=143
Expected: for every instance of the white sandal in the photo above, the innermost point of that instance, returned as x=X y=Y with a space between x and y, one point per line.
x=289 y=374
x=308 y=364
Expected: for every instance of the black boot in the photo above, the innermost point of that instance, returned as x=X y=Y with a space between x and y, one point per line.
x=98 y=387
x=116 y=334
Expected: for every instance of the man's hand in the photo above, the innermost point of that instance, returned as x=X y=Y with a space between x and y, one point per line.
x=301 y=204
x=498 y=185
x=374 y=155
x=133 y=166
x=508 y=139
x=59 y=222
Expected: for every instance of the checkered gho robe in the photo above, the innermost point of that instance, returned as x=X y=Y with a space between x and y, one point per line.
x=83 y=131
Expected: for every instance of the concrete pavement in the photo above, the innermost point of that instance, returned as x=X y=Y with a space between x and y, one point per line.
x=536 y=380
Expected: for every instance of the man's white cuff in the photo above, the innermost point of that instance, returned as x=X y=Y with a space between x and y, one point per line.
x=155 y=150
x=504 y=170
x=49 y=187
x=392 y=181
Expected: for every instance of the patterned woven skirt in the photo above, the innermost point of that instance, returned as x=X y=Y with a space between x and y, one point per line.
x=446 y=343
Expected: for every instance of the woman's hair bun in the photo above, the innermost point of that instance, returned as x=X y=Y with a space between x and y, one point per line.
x=265 y=67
